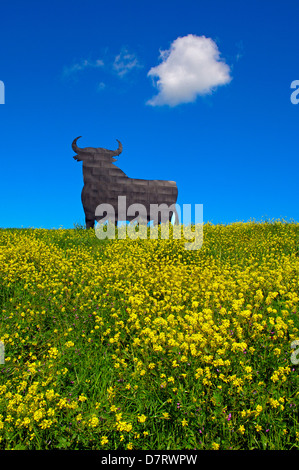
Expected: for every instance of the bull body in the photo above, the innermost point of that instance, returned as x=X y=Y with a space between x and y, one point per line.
x=104 y=182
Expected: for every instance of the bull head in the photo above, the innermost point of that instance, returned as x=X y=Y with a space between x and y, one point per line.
x=84 y=152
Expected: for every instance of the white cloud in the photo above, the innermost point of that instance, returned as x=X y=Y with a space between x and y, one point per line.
x=124 y=62
x=191 y=67
x=240 y=53
x=84 y=64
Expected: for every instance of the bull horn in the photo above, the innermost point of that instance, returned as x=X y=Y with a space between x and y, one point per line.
x=115 y=153
x=75 y=147
x=120 y=148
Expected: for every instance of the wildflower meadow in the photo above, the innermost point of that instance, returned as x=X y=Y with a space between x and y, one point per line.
x=142 y=344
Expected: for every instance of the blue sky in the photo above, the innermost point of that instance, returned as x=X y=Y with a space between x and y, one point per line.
x=197 y=91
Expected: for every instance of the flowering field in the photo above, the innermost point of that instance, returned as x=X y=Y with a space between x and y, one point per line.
x=123 y=344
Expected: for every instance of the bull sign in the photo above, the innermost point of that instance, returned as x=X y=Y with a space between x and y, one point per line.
x=105 y=183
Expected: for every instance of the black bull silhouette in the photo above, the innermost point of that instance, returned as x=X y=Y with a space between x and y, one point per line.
x=104 y=182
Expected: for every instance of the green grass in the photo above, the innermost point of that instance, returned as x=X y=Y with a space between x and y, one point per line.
x=145 y=345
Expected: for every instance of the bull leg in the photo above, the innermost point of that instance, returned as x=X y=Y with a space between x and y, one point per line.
x=89 y=222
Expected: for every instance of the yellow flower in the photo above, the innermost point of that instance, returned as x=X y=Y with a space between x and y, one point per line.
x=50 y=394
x=104 y=440
x=241 y=429
x=215 y=446
x=38 y=415
x=94 y=421
x=26 y=421
x=82 y=398
x=184 y=422
x=46 y=423
x=141 y=418
x=53 y=352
